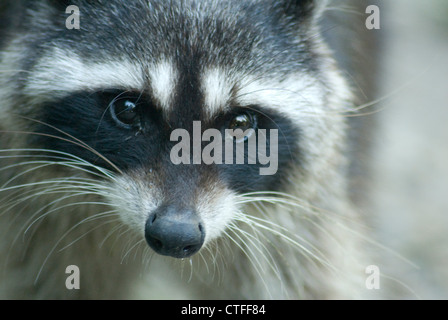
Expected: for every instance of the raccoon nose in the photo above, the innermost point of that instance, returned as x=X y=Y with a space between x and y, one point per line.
x=175 y=233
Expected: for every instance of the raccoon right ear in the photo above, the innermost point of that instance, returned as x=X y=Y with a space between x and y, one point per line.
x=301 y=10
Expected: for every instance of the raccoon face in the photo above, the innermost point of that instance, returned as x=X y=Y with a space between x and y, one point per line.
x=112 y=93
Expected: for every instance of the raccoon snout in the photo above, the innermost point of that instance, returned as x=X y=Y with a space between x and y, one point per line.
x=174 y=232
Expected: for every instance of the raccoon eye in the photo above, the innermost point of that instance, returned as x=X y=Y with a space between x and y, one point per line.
x=243 y=122
x=124 y=112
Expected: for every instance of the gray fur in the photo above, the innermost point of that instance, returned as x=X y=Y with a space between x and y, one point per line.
x=303 y=243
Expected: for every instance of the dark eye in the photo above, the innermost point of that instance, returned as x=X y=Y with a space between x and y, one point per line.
x=240 y=124
x=124 y=111
x=241 y=121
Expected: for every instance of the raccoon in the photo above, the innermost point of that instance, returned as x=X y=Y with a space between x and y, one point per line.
x=86 y=121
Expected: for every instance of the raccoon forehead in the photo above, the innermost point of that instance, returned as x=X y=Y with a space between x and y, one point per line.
x=62 y=73
x=218 y=88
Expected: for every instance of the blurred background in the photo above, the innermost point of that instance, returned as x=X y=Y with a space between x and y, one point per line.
x=411 y=158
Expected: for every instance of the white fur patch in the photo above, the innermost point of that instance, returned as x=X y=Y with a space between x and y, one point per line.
x=163 y=76
x=217 y=208
x=216 y=88
x=135 y=198
x=295 y=96
x=64 y=72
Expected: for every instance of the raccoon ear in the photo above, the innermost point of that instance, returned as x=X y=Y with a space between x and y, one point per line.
x=302 y=10
x=298 y=7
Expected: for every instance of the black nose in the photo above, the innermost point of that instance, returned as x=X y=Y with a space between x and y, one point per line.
x=173 y=232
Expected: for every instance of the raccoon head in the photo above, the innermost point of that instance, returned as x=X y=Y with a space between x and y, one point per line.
x=111 y=94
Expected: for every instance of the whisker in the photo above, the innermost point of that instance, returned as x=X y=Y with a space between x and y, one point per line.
x=258 y=244
x=257 y=265
x=70 y=159
x=307 y=212
x=71 y=139
x=45 y=190
x=131 y=248
x=311 y=256
x=62 y=207
x=109 y=234
x=53 y=249
x=89 y=219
